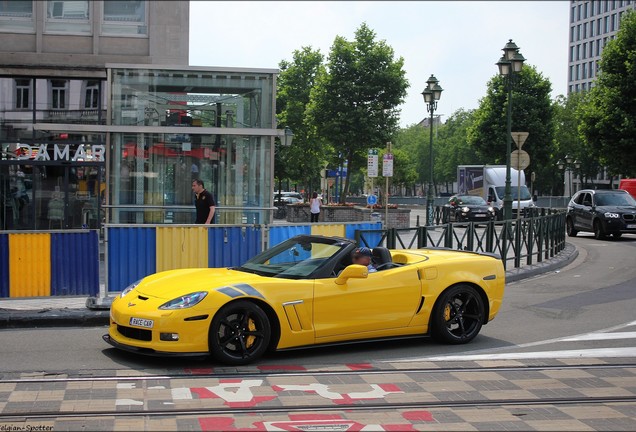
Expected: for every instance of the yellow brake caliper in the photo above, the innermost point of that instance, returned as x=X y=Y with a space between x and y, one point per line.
x=250 y=339
x=447 y=312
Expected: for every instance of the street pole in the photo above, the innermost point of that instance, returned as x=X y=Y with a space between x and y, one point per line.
x=508 y=191
x=429 y=194
x=509 y=65
x=432 y=94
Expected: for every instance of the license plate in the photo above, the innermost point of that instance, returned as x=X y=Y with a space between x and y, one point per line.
x=480 y=215
x=139 y=322
x=631 y=226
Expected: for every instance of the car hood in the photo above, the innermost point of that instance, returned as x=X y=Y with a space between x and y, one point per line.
x=613 y=208
x=174 y=283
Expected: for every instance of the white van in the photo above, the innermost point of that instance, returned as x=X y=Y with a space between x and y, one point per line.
x=489 y=182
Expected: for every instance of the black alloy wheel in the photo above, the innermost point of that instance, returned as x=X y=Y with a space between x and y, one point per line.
x=239 y=334
x=458 y=315
x=599 y=234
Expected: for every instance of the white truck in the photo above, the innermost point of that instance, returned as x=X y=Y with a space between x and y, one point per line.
x=489 y=182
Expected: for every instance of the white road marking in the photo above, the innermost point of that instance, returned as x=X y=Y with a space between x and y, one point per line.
x=601 y=336
x=496 y=354
x=587 y=353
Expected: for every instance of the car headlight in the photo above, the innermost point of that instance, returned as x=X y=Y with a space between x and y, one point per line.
x=491 y=209
x=184 y=301
x=609 y=215
x=129 y=288
x=465 y=209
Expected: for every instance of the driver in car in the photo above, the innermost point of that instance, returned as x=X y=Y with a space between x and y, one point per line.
x=362 y=256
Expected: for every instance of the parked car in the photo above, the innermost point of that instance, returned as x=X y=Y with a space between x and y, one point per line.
x=602 y=212
x=281 y=199
x=305 y=291
x=468 y=208
x=288 y=197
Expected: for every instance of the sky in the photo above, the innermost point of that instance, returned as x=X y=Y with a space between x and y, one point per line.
x=459 y=42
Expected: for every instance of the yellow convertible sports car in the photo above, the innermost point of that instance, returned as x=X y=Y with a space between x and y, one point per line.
x=305 y=291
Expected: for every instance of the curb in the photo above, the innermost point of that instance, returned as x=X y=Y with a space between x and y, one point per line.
x=53 y=318
x=565 y=257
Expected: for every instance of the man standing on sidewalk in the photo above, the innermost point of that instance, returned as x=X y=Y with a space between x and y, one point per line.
x=204 y=203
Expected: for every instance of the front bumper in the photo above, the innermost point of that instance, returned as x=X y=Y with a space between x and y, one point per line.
x=147 y=351
x=618 y=225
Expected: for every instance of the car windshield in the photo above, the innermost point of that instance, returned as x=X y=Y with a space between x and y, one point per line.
x=522 y=192
x=614 y=199
x=295 y=258
x=471 y=200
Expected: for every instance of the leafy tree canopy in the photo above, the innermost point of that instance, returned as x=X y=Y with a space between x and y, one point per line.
x=302 y=161
x=531 y=112
x=608 y=118
x=353 y=105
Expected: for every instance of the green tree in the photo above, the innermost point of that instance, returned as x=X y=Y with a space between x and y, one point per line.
x=453 y=148
x=608 y=118
x=408 y=157
x=302 y=161
x=569 y=142
x=353 y=105
x=532 y=112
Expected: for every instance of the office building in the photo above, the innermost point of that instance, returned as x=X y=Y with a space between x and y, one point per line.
x=592 y=25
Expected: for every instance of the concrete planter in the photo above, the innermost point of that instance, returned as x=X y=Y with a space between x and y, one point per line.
x=398 y=218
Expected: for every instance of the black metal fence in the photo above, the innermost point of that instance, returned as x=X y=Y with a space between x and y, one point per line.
x=538 y=235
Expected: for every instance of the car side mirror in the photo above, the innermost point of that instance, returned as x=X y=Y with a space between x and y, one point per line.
x=354 y=271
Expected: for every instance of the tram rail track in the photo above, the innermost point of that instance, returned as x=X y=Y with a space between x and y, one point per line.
x=31 y=416
x=51 y=377
x=416 y=390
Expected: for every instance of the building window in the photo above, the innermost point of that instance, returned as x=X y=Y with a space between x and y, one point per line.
x=91 y=96
x=58 y=94
x=68 y=17
x=124 y=18
x=22 y=91
x=16 y=16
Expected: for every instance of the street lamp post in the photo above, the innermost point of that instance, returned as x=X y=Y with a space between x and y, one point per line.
x=568 y=165
x=510 y=65
x=431 y=94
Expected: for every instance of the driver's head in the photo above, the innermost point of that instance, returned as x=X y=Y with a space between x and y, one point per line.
x=362 y=256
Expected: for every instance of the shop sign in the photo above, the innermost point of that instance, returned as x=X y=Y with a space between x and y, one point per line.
x=61 y=152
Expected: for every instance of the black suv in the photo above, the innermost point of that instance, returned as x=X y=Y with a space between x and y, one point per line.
x=603 y=212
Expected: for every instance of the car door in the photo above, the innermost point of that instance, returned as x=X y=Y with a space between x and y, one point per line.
x=584 y=212
x=386 y=299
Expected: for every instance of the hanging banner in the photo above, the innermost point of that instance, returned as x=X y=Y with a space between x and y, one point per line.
x=387 y=165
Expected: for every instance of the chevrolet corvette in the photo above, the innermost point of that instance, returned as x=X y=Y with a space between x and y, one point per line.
x=306 y=292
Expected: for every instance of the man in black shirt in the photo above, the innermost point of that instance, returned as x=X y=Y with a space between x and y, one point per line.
x=204 y=203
